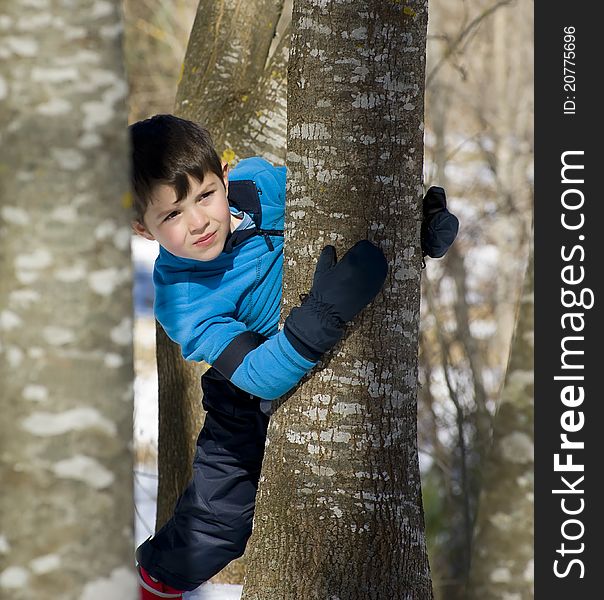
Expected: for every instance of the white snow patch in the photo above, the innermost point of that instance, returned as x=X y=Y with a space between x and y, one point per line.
x=101 y=9
x=111 y=31
x=35 y=393
x=9 y=320
x=96 y=113
x=56 y=75
x=45 y=564
x=517 y=447
x=34 y=3
x=144 y=252
x=14 y=355
x=215 y=591
x=13 y=214
x=76 y=419
x=121 y=334
x=4 y=545
x=36 y=352
x=85 y=469
x=68 y=158
x=501 y=575
x=501 y=520
x=54 y=107
x=113 y=360
x=120 y=585
x=14 y=577
x=32 y=22
x=22 y=46
x=38 y=259
x=105 y=281
x=529 y=572
x=105 y=229
x=89 y=140
x=58 y=336
x=66 y=213
x=122 y=237
x=24 y=297
x=75 y=272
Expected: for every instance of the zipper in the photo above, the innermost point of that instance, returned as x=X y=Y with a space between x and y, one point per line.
x=268 y=232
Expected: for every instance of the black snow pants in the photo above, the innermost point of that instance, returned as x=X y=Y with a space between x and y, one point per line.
x=212 y=520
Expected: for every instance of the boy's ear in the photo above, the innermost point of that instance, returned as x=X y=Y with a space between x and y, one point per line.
x=225 y=175
x=141 y=230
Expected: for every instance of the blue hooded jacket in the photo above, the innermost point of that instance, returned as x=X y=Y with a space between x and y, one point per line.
x=226 y=311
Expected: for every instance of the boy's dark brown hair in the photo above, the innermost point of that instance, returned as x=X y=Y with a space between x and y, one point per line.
x=165 y=149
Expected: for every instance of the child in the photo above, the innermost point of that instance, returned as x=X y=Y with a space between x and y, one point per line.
x=218 y=282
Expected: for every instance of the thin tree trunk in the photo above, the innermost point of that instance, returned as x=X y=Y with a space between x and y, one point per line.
x=502 y=563
x=66 y=367
x=339 y=511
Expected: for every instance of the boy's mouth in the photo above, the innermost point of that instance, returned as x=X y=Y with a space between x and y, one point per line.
x=205 y=240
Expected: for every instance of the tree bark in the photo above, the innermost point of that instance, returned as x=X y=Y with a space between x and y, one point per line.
x=234 y=77
x=66 y=367
x=502 y=563
x=339 y=511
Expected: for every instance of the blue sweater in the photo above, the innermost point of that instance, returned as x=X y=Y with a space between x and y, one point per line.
x=204 y=305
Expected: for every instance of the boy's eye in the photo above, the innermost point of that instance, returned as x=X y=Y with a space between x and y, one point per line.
x=171 y=216
x=205 y=195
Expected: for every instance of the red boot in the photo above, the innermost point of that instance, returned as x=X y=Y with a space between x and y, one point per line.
x=152 y=589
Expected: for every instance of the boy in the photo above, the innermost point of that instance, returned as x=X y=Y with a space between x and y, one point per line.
x=218 y=281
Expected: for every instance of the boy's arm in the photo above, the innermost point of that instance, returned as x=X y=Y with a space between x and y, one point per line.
x=340 y=290
x=268 y=368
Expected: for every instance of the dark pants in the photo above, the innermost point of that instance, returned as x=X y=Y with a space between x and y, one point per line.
x=213 y=518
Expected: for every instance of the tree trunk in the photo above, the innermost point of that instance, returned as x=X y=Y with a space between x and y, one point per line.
x=66 y=367
x=234 y=78
x=502 y=563
x=228 y=77
x=339 y=511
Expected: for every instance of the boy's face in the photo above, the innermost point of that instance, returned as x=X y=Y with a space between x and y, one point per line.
x=196 y=227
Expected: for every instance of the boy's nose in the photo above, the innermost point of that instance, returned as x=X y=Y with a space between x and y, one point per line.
x=197 y=220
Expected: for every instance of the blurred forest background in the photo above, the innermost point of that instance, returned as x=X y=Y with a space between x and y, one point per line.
x=479 y=147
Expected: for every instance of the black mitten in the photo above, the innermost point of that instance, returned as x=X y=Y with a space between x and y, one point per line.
x=439 y=226
x=339 y=292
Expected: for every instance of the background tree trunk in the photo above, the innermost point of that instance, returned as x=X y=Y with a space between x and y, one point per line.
x=339 y=511
x=234 y=76
x=65 y=305
x=502 y=562
x=229 y=77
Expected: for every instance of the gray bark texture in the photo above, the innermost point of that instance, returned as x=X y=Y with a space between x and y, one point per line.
x=235 y=79
x=502 y=562
x=339 y=512
x=66 y=372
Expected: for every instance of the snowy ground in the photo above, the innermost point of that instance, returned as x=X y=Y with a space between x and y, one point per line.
x=145 y=413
